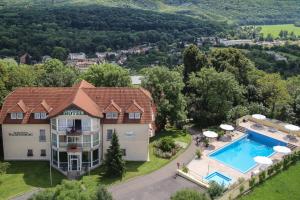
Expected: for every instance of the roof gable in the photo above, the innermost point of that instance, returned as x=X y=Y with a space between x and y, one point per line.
x=19 y=107
x=112 y=107
x=42 y=107
x=134 y=107
x=83 y=84
x=81 y=100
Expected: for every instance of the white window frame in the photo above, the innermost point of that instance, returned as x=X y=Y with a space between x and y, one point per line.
x=37 y=115
x=42 y=135
x=19 y=115
x=43 y=115
x=13 y=115
x=109 y=138
x=112 y=115
x=134 y=115
x=86 y=124
x=137 y=115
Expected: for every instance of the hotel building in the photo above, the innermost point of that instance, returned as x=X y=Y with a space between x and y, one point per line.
x=72 y=126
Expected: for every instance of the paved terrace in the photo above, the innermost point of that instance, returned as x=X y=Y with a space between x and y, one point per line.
x=199 y=168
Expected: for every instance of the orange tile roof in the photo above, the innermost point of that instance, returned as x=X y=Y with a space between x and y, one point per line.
x=112 y=107
x=134 y=107
x=92 y=100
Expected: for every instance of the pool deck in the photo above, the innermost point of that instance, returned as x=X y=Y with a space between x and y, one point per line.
x=200 y=168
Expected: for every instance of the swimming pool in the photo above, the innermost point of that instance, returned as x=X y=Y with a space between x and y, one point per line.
x=239 y=154
x=220 y=178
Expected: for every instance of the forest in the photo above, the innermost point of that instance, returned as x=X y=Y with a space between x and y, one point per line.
x=90 y=29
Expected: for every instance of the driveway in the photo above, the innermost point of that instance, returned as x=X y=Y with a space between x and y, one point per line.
x=160 y=184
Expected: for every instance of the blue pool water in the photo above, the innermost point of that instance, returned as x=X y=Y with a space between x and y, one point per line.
x=239 y=154
x=219 y=178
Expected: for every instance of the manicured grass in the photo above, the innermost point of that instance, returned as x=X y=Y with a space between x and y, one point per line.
x=23 y=176
x=282 y=186
x=274 y=30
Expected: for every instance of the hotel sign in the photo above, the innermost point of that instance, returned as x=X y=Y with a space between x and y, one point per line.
x=73 y=112
x=20 y=134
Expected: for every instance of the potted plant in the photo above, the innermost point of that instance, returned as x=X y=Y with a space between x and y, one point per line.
x=206 y=142
x=198 y=154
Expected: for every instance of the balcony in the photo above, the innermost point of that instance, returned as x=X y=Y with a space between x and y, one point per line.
x=73 y=131
x=74 y=147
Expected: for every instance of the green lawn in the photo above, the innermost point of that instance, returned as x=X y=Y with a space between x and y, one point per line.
x=274 y=30
x=22 y=176
x=285 y=185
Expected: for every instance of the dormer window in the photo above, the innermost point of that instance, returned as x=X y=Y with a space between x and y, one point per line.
x=16 y=115
x=40 y=115
x=134 y=115
x=111 y=115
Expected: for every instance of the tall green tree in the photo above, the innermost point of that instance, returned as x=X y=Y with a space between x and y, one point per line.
x=114 y=163
x=233 y=61
x=166 y=87
x=60 y=53
x=293 y=87
x=108 y=75
x=212 y=95
x=53 y=73
x=188 y=194
x=274 y=92
x=193 y=60
x=21 y=76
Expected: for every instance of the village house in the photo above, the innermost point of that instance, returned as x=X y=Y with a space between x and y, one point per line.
x=72 y=126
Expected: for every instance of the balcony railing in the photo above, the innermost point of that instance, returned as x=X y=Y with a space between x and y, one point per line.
x=73 y=131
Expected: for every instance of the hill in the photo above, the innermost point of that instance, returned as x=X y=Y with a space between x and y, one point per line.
x=240 y=11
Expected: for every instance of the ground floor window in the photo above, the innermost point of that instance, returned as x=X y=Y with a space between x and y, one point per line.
x=29 y=152
x=95 y=157
x=86 y=159
x=43 y=152
x=54 y=157
x=123 y=152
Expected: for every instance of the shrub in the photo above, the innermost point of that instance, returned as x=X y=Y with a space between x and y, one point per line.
x=215 y=189
x=252 y=182
x=185 y=169
x=262 y=176
x=270 y=170
x=103 y=194
x=188 y=194
x=206 y=142
x=166 y=144
x=3 y=167
x=198 y=153
x=242 y=188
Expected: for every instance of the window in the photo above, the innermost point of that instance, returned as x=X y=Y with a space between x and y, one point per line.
x=62 y=124
x=53 y=124
x=123 y=152
x=70 y=123
x=42 y=135
x=95 y=139
x=13 y=115
x=43 y=152
x=135 y=115
x=112 y=115
x=37 y=115
x=19 y=115
x=109 y=134
x=86 y=124
x=43 y=115
x=29 y=152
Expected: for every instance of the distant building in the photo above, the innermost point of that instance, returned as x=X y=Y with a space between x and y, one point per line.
x=25 y=59
x=227 y=43
x=76 y=56
x=136 y=80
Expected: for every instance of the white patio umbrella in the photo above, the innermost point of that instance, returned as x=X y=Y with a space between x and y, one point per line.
x=226 y=127
x=282 y=149
x=210 y=134
x=259 y=116
x=291 y=127
x=263 y=160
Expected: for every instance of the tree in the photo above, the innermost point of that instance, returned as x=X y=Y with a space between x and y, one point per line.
x=274 y=91
x=68 y=190
x=103 y=194
x=114 y=163
x=60 y=53
x=193 y=60
x=233 y=61
x=212 y=96
x=108 y=75
x=237 y=112
x=53 y=73
x=166 y=87
x=188 y=194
